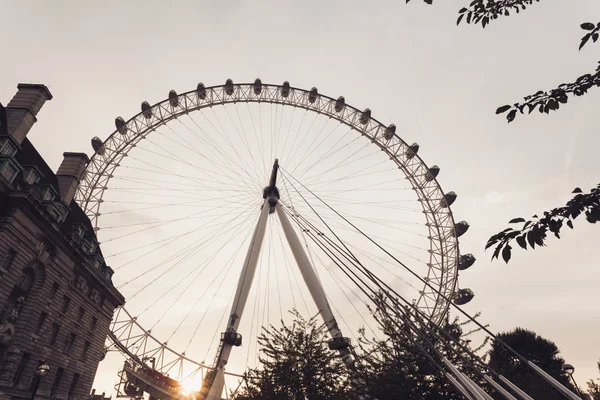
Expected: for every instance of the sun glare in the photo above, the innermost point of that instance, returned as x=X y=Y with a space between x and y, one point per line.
x=192 y=384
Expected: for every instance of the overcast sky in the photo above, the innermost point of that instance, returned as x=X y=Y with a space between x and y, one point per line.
x=410 y=64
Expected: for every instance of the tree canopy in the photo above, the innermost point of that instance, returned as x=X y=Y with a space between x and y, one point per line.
x=533 y=347
x=296 y=364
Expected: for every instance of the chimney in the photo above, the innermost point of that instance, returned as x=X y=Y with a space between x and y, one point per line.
x=23 y=108
x=70 y=173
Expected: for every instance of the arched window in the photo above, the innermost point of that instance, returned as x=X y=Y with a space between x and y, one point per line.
x=26 y=280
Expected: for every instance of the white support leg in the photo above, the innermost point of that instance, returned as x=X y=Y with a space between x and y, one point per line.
x=239 y=301
x=308 y=273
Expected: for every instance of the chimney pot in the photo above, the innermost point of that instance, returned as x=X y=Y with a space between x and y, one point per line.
x=70 y=173
x=22 y=110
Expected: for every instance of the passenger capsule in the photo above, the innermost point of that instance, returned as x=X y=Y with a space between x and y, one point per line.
x=201 y=91
x=257 y=86
x=365 y=116
x=460 y=228
x=173 y=99
x=412 y=151
x=229 y=87
x=339 y=343
x=465 y=261
x=146 y=110
x=432 y=173
x=448 y=199
x=463 y=296
x=340 y=103
x=97 y=145
x=285 y=89
x=121 y=126
x=389 y=132
x=312 y=95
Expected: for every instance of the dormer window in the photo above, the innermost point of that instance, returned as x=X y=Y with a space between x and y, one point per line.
x=58 y=211
x=7 y=146
x=49 y=194
x=89 y=246
x=97 y=261
x=108 y=273
x=78 y=231
x=31 y=175
x=9 y=168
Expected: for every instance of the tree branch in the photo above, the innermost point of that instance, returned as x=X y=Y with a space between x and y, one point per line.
x=533 y=232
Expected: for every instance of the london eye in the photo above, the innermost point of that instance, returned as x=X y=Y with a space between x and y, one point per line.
x=222 y=208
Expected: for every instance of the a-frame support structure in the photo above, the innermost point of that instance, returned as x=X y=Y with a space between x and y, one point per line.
x=213 y=384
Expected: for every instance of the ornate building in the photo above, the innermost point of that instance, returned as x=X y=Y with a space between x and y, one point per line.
x=56 y=294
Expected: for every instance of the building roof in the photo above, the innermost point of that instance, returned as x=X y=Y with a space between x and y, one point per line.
x=29 y=156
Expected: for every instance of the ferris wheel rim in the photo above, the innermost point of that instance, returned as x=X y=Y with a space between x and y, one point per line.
x=440 y=220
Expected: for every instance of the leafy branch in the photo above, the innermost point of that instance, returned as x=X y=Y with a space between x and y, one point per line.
x=486 y=11
x=551 y=100
x=534 y=232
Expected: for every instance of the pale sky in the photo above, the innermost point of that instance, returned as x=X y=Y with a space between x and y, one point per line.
x=440 y=84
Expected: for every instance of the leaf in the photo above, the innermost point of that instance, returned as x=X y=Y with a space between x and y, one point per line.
x=503 y=109
x=506 y=253
x=588 y=26
x=462 y=10
x=584 y=40
x=521 y=240
x=577 y=190
x=531 y=239
x=535 y=216
x=490 y=243
x=497 y=251
x=570 y=224
x=516 y=220
x=511 y=115
x=595 y=37
x=460 y=17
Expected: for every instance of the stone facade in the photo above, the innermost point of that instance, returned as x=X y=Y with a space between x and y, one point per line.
x=56 y=294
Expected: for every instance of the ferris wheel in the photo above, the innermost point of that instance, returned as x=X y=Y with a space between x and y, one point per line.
x=224 y=207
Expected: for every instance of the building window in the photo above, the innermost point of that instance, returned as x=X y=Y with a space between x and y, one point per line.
x=71 y=337
x=53 y=290
x=93 y=323
x=8 y=259
x=49 y=195
x=65 y=305
x=86 y=347
x=57 y=378
x=8 y=171
x=20 y=369
x=7 y=147
x=57 y=212
x=25 y=281
x=80 y=314
x=71 y=394
x=54 y=333
x=40 y=322
x=78 y=230
x=30 y=176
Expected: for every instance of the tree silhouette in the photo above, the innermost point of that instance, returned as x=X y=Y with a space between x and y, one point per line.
x=296 y=364
x=594 y=388
x=542 y=352
x=397 y=368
